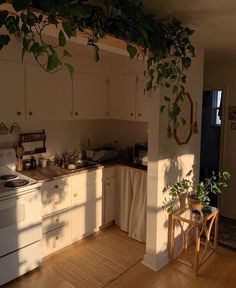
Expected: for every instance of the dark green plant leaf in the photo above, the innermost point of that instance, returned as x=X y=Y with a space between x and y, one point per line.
x=70 y=68
x=67 y=28
x=19 y=5
x=53 y=62
x=132 y=51
x=4 y=40
x=62 y=39
x=66 y=53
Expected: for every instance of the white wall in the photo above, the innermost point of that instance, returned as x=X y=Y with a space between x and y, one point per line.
x=221 y=75
x=169 y=162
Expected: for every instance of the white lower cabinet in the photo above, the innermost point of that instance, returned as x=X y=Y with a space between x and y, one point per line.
x=56 y=239
x=109 y=196
x=86 y=209
x=72 y=209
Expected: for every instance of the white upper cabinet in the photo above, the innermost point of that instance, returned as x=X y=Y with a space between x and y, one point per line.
x=141 y=99
x=48 y=96
x=12 y=107
x=89 y=96
x=127 y=100
x=122 y=92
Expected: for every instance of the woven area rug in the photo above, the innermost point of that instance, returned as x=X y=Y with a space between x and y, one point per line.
x=227 y=232
x=100 y=262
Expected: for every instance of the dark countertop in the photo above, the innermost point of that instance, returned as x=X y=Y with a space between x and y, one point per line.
x=124 y=162
x=54 y=172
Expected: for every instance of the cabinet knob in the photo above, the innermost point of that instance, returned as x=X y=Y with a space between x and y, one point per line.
x=139 y=114
x=57 y=220
x=76 y=113
x=131 y=114
x=56 y=186
x=56 y=202
x=30 y=113
x=18 y=113
x=57 y=237
x=108 y=184
x=75 y=195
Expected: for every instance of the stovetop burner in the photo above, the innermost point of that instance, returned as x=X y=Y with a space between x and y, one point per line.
x=8 y=177
x=16 y=183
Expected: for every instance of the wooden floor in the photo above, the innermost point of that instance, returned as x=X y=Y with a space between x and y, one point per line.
x=218 y=272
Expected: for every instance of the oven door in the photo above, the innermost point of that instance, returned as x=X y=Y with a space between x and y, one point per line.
x=20 y=221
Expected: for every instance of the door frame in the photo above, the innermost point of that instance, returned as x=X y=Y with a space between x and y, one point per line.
x=223 y=131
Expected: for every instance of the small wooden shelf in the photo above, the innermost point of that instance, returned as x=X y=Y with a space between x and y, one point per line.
x=34 y=137
x=199 y=238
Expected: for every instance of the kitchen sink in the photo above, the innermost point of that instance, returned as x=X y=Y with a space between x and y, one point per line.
x=81 y=164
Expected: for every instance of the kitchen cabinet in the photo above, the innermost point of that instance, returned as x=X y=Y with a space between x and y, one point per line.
x=12 y=77
x=56 y=203
x=86 y=211
x=108 y=196
x=55 y=196
x=122 y=93
x=89 y=96
x=48 y=96
x=127 y=100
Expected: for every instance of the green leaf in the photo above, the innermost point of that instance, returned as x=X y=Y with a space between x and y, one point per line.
x=4 y=40
x=53 y=62
x=62 y=39
x=167 y=99
x=3 y=17
x=66 y=53
x=70 y=68
x=132 y=51
x=67 y=28
x=19 y=5
x=183 y=121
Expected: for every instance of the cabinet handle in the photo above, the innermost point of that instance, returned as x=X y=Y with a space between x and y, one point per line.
x=57 y=220
x=139 y=114
x=56 y=203
x=57 y=237
x=18 y=113
x=131 y=114
x=56 y=186
x=76 y=113
x=30 y=113
x=75 y=195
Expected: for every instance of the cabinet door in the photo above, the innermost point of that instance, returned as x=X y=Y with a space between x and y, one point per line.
x=141 y=99
x=109 y=201
x=12 y=107
x=48 y=96
x=122 y=91
x=89 y=96
x=86 y=213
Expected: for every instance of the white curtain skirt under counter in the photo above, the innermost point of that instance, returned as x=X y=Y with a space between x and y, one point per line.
x=131 y=202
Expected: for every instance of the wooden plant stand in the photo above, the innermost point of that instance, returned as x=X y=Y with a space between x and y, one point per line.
x=199 y=240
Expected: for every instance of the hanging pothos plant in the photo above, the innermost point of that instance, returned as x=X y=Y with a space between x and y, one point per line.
x=166 y=46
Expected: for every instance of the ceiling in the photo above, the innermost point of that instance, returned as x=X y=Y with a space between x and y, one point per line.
x=214 y=22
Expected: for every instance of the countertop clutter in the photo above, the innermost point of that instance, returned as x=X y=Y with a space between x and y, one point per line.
x=53 y=172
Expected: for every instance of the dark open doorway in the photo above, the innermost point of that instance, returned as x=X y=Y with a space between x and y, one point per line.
x=211 y=135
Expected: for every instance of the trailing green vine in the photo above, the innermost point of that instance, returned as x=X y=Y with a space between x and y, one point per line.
x=165 y=45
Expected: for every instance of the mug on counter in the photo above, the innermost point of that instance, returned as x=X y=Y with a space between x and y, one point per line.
x=43 y=162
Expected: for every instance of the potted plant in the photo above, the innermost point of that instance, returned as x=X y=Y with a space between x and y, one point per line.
x=197 y=193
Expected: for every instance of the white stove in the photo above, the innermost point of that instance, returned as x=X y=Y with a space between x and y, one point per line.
x=20 y=221
x=12 y=182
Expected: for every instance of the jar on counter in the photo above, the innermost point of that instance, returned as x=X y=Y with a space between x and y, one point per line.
x=33 y=163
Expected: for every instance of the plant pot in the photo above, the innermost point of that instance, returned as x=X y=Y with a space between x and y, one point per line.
x=195 y=204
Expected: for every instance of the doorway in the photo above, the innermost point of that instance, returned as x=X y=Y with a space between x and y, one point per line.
x=211 y=136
